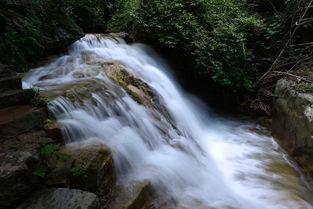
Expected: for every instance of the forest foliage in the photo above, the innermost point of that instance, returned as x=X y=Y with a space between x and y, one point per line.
x=29 y=29
x=229 y=42
x=214 y=33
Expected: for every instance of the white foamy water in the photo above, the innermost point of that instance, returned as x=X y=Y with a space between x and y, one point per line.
x=201 y=160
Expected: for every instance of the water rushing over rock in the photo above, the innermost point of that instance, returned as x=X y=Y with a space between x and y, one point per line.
x=123 y=95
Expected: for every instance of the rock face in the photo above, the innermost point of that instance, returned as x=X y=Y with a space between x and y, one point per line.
x=18 y=161
x=293 y=122
x=93 y=17
x=62 y=198
x=16 y=178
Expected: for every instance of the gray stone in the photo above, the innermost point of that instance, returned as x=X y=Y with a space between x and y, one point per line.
x=62 y=198
x=135 y=195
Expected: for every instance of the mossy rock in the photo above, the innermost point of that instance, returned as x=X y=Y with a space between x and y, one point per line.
x=87 y=167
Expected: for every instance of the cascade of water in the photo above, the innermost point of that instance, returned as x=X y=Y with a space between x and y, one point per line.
x=163 y=136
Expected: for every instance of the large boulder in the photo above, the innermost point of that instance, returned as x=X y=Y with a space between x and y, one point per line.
x=293 y=121
x=82 y=166
x=62 y=198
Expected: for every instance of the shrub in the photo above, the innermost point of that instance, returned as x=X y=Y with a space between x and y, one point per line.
x=45 y=150
x=33 y=97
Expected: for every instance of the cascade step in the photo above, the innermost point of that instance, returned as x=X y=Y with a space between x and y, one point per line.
x=10 y=83
x=11 y=98
x=19 y=119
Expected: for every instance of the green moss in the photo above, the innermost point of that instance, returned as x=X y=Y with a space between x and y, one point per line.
x=79 y=172
x=304 y=87
x=47 y=121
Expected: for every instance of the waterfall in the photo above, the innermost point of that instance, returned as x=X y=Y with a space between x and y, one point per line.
x=157 y=132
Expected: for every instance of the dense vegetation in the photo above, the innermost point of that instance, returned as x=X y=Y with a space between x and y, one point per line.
x=230 y=43
x=214 y=33
x=36 y=28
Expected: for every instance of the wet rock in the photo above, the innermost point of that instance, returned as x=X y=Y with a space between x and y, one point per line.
x=141 y=92
x=293 y=122
x=138 y=89
x=87 y=167
x=62 y=198
x=135 y=195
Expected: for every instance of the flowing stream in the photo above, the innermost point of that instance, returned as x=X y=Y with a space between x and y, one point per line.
x=170 y=138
